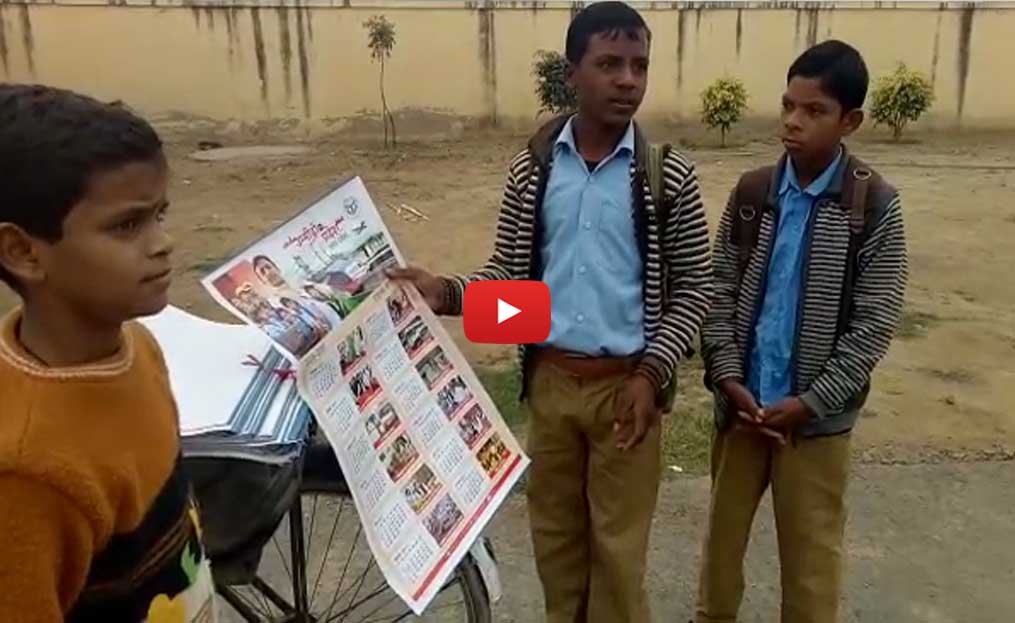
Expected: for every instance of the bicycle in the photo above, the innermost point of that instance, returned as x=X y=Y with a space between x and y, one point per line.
x=297 y=584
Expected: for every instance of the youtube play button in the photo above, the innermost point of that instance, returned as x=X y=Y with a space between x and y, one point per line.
x=507 y=312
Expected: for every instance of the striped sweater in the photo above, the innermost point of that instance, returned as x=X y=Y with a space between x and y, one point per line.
x=832 y=370
x=675 y=253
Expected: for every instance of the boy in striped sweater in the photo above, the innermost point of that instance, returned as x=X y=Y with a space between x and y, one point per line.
x=810 y=270
x=630 y=284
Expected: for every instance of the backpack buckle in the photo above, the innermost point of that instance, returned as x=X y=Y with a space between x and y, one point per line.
x=861 y=174
x=747 y=213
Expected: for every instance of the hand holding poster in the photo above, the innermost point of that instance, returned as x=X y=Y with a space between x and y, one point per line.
x=425 y=451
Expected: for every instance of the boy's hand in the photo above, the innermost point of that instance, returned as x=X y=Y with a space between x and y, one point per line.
x=635 y=412
x=431 y=287
x=751 y=415
x=742 y=400
x=787 y=415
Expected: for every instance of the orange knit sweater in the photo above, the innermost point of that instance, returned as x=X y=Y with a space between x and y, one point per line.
x=96 y=515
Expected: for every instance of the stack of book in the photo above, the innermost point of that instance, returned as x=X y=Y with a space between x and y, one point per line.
x=236 y=394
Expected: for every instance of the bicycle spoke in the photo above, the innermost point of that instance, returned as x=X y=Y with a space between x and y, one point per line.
x=324 y=556
x=345 y=569
x=285 y=564
x=313 y=516
x=358 y=584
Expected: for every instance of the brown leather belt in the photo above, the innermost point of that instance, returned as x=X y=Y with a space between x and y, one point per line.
x=584 y=366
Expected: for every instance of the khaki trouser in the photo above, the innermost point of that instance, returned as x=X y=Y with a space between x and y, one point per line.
x=808 y=480
x=590 y=505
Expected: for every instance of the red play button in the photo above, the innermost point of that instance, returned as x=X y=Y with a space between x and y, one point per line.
x=507 y=312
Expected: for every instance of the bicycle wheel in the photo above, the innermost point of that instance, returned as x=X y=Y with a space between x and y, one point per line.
x=339 y=581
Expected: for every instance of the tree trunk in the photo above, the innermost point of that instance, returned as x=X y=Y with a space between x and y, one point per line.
x=897 y=132
x=723 y=130
x=384 y=106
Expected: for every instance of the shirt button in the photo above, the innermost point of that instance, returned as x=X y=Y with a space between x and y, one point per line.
x=580 y=317
x=588 y=224
x=582 y=269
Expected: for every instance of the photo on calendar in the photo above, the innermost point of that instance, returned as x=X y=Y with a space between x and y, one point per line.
x=421 y=488
x=399 y=306
x=493 y=455
x=352 y=349
x=399 y=456
x=453 y=396
x=433 y=367
x=473 y=425
x=381 y=424
x=443 y=519
x=364 y=386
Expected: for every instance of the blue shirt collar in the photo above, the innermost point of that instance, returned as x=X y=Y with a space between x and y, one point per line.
x=818 y=186
x=566 y=139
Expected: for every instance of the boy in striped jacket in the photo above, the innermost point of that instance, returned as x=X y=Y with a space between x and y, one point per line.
x=630 y=284
x=810 y=270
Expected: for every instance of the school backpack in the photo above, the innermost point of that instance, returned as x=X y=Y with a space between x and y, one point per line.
x=864 y=193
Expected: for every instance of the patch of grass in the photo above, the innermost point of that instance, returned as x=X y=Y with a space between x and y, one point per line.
x=503 y=385
x=916 y=324
x=687 y=439
x=688 y=429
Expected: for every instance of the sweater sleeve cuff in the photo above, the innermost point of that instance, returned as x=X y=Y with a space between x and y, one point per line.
x=453 y=294
x=815 y=404
x=654 y=368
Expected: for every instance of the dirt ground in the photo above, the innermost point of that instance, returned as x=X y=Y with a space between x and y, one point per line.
x=945 y=387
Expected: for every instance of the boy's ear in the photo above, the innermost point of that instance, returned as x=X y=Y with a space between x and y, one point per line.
x=569 y=76
x=19 y=254
x=852 y=121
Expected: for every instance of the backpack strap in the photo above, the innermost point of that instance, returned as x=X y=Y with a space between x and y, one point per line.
x=750 y=199
x=653 y=167
x=865 y=194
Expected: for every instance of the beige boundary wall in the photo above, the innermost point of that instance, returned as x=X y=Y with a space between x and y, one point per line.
x=250 y=60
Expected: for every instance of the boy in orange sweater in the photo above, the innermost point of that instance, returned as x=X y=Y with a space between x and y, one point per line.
x=98 y=522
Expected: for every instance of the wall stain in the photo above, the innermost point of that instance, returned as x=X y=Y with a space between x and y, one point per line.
x=286 y=49
x=681 y=35
x=697 y=24
x=965 y=43
x=812 y=27
x=230 y=35
x=740 y=30
x=27 y=38
x=310 y=22
x=488 y=56
x=209 y=16
x=796 y=29
x=301 y=50
x=937 y=47
x=3 y=40
x=262 y=61
x=195 y=12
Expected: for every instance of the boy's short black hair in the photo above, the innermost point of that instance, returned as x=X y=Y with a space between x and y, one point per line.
x=52 y=141
x=614 y=18
x=840 y=68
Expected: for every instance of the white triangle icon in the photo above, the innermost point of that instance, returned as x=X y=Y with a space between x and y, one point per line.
x=506 y=311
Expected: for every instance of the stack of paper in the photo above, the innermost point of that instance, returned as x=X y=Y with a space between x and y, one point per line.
x=236 y=394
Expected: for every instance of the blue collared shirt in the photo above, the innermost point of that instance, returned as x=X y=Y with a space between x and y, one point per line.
x=590 y=251
x=771 y=369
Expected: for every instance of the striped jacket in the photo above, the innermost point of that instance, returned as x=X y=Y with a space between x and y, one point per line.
x=832 y=370
x=675 y=254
